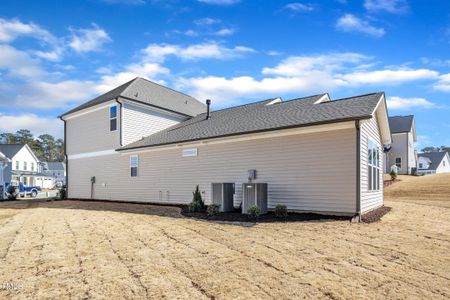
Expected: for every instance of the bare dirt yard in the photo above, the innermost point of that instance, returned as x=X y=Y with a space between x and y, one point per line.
x=87 y=250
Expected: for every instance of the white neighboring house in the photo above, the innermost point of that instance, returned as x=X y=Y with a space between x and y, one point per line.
x=402 y=155
x=3 y=164
x=24 y=167
x=56 y=171
x=148 y=143
x=433 y=163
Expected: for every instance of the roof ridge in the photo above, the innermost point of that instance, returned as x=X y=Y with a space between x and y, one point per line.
x=169 y=88
x=240 y=105
x=353 y=97
x=130 y=83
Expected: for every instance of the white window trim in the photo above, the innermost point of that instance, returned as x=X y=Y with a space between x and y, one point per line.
x=134 y=165
x=115 y=118
x=376 y=166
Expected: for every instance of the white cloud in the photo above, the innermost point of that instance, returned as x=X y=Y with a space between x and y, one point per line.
x=351 y=23
x=207 y=21
x=208 y=50
x=391 y=6
x=87 y=40
x=443 y=84
x=219 y=2
x=19 y=63
x=388 y=76
x=299 y=7
x=38 y=125
x=399 y=103
x=224 y=32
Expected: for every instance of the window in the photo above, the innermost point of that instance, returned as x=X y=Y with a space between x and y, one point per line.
x=17 y=165
x=443 y=163
x=24 y=165
x=134 y=164
x=373 y=166
x=398 y=162
x=32 y=166
x=113 y=118
x=420 y=165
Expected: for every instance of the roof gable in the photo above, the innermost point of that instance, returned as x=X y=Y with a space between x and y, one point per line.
x=150 y=93
x=259 y=117
x=401 y=124
x=10 y=150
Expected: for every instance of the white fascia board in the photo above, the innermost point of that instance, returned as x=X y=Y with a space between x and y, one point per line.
x=90 y=109
x=380 y=112
x=152 y=108
x=92 y=154
x=248 y=137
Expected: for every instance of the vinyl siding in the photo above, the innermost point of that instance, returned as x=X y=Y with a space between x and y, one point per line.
x=399 y=149
x=90 y=132
x=370 y=199
x=411 y=153
x=309 y=172
x=139 y=122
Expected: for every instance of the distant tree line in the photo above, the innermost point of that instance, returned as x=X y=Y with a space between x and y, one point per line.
x=436 y=149
x=46 y=147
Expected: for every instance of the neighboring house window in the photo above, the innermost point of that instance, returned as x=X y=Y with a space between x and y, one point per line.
x=24 y=165
x=443 y=163
x=373 y=166
x=421 y=166
x=17 y=165
x=32 y=166
x=398 y=162
x=134 y=164
x=113 y=118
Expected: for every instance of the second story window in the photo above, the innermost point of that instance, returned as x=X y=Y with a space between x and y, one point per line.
x=113 y=118
x=32 y=166
x=24 y=165
x=17 y=165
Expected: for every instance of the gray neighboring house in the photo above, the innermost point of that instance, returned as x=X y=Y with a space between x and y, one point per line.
x=148 y=143
x=57 y=170
x=402 y=153
x=433 y=163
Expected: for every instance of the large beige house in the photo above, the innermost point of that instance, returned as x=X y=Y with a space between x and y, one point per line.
x=148 y=143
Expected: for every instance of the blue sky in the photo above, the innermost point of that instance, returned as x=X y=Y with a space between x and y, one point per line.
x=55 y=56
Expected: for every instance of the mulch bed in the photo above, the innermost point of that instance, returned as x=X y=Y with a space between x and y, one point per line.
x=375 y=215
x=237 y=216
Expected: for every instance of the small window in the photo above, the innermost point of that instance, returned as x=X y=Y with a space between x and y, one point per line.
x=24 y=165
x=374 y=166
x=17 y=165
x=398 y=162
x=32 y=166
x=421 y=166
x=134 y=165
x=443 y=163
x=113 y=118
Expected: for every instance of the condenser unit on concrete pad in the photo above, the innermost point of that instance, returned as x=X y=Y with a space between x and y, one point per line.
x=223 y=195
x=254 y=194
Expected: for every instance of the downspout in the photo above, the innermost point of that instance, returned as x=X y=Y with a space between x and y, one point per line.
x=358 y=170
x=120 y=124
x=66 y=157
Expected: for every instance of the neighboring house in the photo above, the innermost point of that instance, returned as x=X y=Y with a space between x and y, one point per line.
x=24 y=167
x=55 y=170
x=433 y=163
x=402 y=153
x=3 y=164
x=148 y=143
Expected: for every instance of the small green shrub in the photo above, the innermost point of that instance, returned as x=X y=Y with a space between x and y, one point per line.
x=197 y=203
x=213 y=209
x=254 y=211
x=393 y=175
x=281 y=211
x=62 y=193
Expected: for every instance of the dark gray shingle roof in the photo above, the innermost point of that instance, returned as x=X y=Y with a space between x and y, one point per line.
x=54 y=166
x=434 y=157
x=257 y=117
x=9 y=150
x=400 y=124
x=148 y=92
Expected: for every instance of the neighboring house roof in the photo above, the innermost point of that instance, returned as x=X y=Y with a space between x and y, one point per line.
x=258 y=117
x=3 y=158
x=54 y=166
x=150 y=93
x=435 y=159
x=10 y=150
x=400 y=124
